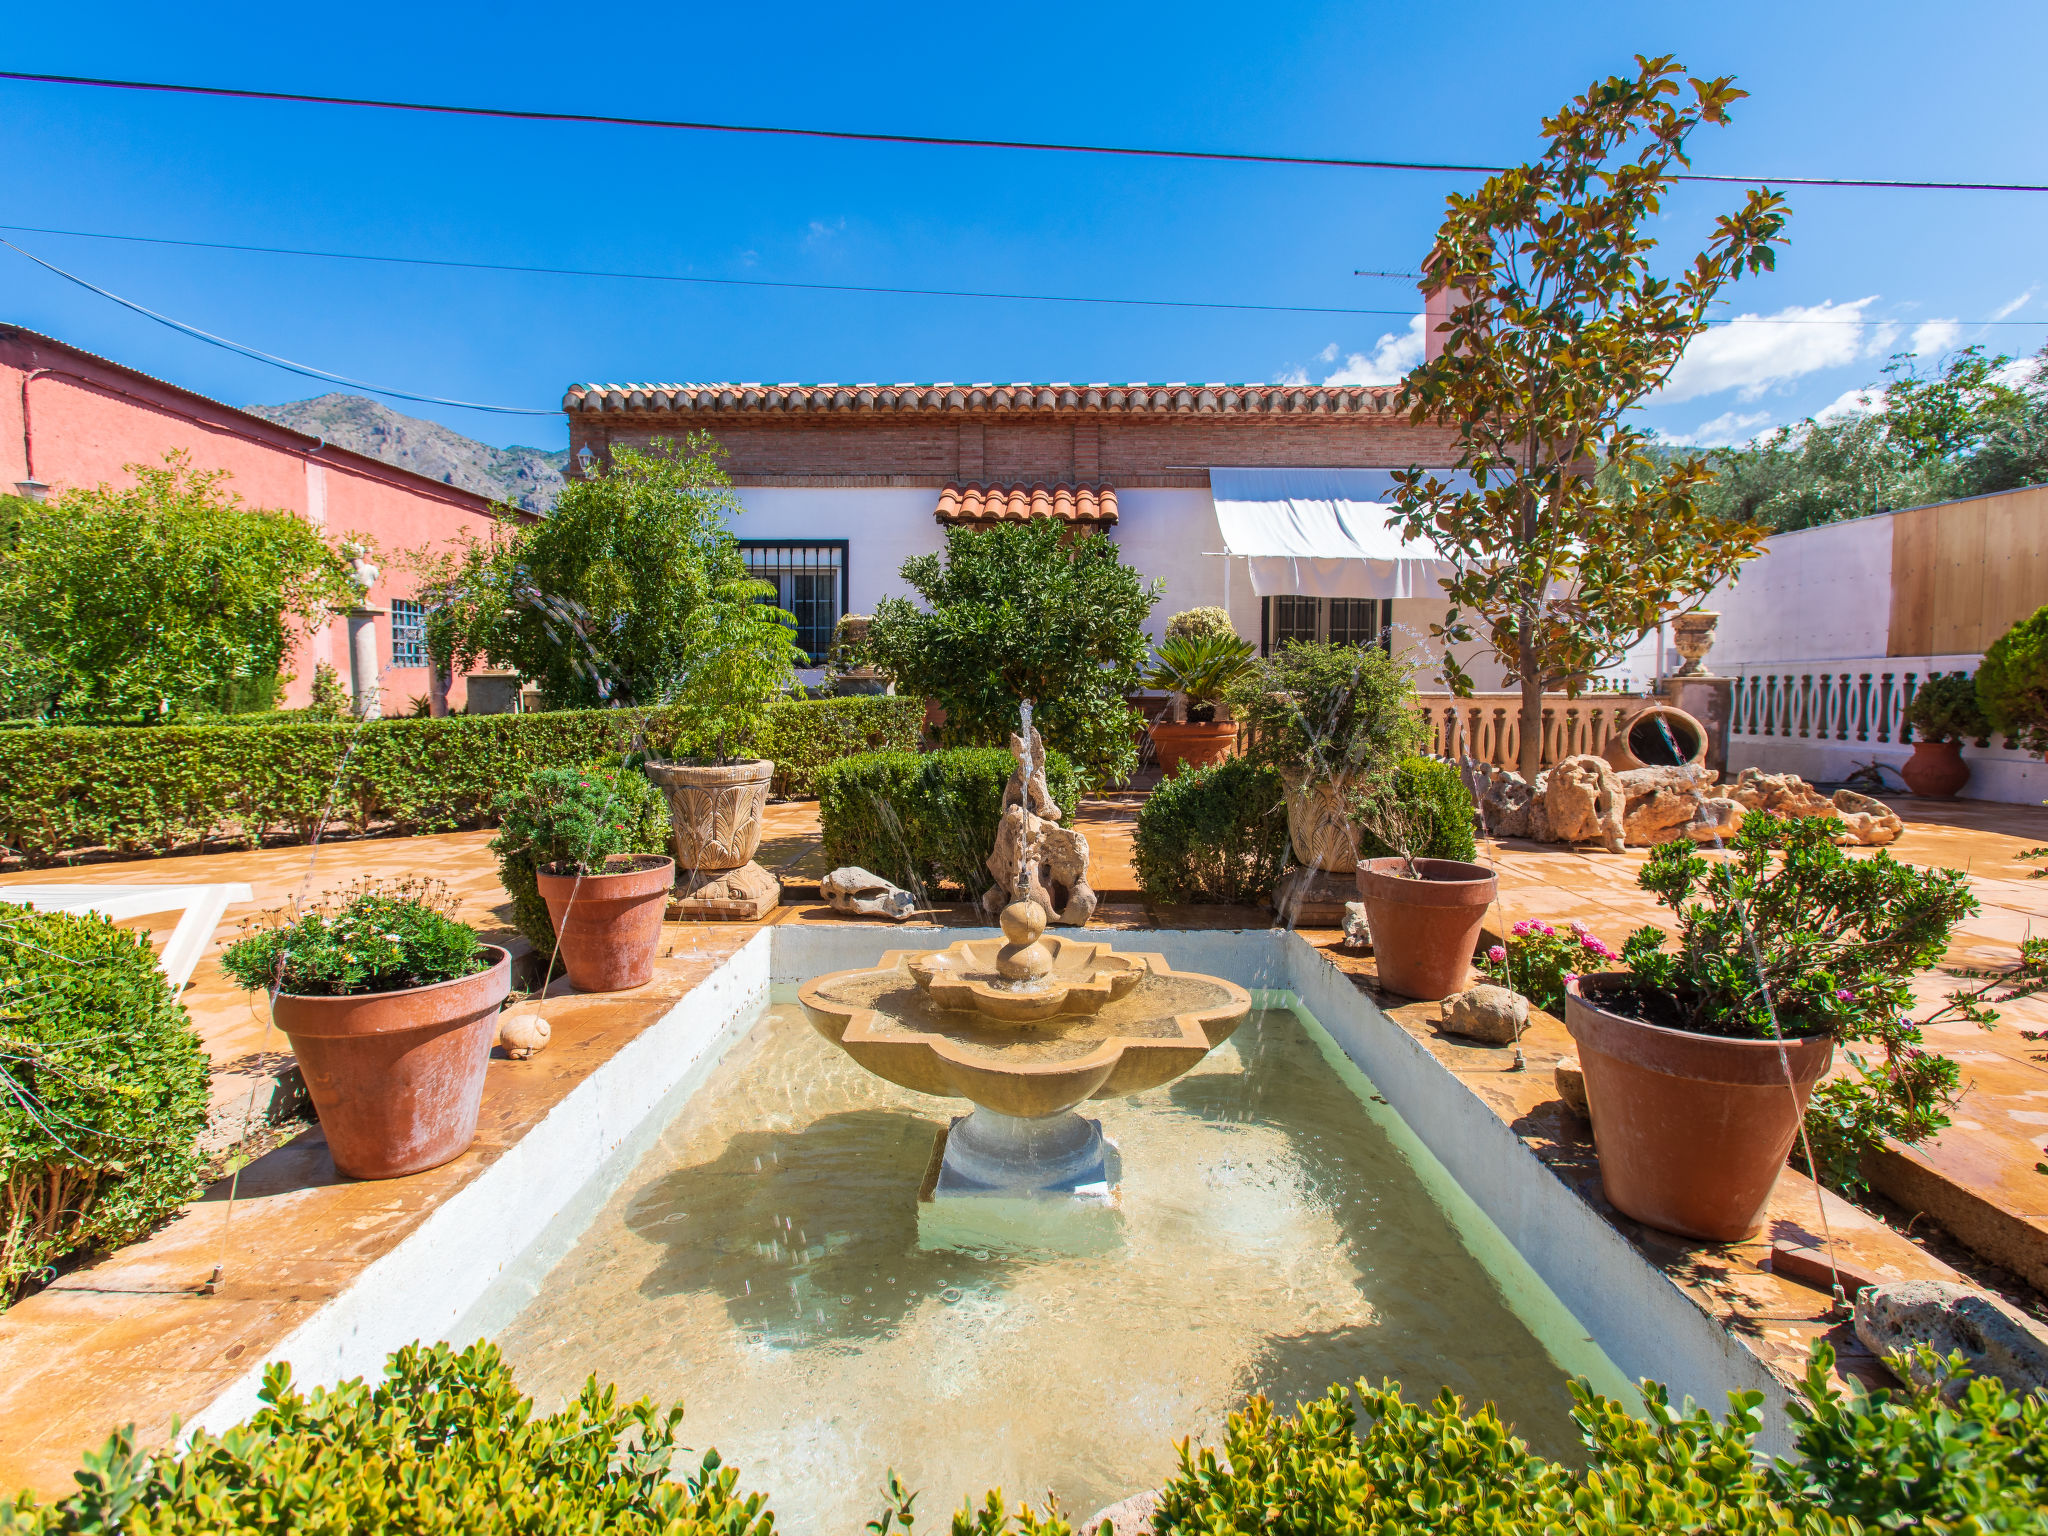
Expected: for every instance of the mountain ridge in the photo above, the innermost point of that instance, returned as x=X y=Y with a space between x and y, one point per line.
x=528 y=478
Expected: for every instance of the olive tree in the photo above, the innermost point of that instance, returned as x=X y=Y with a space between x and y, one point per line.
x=1557 y=328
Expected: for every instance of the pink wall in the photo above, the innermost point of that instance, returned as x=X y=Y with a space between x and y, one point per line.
x=87 y=418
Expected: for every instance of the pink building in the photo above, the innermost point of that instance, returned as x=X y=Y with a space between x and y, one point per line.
x=69 y=418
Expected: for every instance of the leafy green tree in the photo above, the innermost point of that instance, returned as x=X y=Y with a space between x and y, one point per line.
x=161 y=598
x=1019 y=611
x=1557 y=330
x=632 y=592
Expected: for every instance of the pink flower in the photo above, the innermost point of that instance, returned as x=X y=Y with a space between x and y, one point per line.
x=1845 y=996
x=1548 y=931
x=1521 y=929
x=1570 y=977
x=1496 y=954
x=1580 y=928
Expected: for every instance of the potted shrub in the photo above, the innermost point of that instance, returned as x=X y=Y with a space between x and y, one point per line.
x=1943 y=713
x=1201 y=667
x=390 y=1005
x=579 y=839
x=1425 y=899
x=2012 y=682
x=1699 y=1062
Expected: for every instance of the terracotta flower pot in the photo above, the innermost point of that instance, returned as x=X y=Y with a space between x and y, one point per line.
x=1425 y=930
x=714 y=813
x=1936 y=769
x=1192 y=746
x=609 y=925
x=398 y=1077
x=1692 y=1130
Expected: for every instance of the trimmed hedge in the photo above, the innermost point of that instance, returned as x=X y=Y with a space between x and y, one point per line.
x=1438 y=806
x=1213 y=834
x=926 y=819
x=154 y=788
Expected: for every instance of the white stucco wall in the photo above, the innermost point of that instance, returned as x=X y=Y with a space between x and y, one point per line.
x=1820 y=594
x=882 y=529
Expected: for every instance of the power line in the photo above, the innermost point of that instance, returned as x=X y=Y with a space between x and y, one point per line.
x=945 y=142
x=270 y=357
x=774 y=283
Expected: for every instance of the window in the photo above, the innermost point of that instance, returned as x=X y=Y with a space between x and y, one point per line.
x=408 y=633
x=810 y=585
x=1340 y=620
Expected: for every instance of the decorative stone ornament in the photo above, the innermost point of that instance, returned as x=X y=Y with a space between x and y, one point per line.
x=1058 y=860
x=714 y=814
x=859 y=893
x=1693 y=636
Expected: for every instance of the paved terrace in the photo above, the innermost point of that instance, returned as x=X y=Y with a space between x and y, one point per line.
x=136 y=1337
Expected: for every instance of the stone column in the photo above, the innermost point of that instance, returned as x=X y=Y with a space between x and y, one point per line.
x=1709 y=700
x=364 y=671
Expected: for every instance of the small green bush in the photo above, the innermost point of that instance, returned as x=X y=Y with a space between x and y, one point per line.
x=2012 y=681
x=576 y=816
x=1432 y=803
x=1945 y=708
x=1213 y=834
x=1199 y=621
x=103 y=1090
x=371 y=940
x=926 y=819
x=1204 y=667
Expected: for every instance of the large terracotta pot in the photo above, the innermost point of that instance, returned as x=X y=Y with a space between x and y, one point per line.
x=714 y=813
x=609 y=925
x=1192 y=746
x=1425 y=930
x=1648 y=737
x=1692 y=1130
x=397 y=1077
x=1936 y=769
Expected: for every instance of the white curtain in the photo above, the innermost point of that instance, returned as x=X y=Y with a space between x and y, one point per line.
x=1321 y=533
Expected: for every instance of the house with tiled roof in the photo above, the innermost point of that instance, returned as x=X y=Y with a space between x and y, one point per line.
x=1264 y=499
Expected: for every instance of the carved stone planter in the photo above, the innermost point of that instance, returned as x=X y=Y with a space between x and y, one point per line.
x=1320 y=827
x=1693 y=636
x=714 y=827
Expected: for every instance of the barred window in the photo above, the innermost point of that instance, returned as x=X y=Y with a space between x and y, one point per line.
x=408 y=633
x=1294 y=618
x=1340 y=620
x=809 y=577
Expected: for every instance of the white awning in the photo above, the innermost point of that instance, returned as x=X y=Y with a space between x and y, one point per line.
x=1322 y=533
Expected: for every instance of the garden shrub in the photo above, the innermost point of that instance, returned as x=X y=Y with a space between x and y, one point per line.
x=103 y=1090
x=2012 y=681
x=1537 y=960
x=1199 y=621
x=926 y=819
x=1213 y=834
x=572 y=815
x=1434 y=807
x=806 y=735
x=1945 y=708
x=156 y=788
x=374 y=936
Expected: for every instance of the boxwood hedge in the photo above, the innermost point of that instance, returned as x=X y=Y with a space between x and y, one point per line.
x=155 y=788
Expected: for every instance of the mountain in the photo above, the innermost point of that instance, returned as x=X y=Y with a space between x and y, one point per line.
x=526 y=477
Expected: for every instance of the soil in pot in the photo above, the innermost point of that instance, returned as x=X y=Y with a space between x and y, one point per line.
x=1193 y=745
x=1692 y=1130
x=1425 y=926
x=397 y=1078
x=608 y=924
x=1936 y=769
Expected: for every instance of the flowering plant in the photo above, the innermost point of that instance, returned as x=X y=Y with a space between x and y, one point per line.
x=1538 y=960
x=370 y=937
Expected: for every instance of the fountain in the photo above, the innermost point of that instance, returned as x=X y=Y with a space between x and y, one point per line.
x=1025 y=1027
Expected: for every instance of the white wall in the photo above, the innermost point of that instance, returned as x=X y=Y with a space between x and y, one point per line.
x=1820 y=594
x=882 y=528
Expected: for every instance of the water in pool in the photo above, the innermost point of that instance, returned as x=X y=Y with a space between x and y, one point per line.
x=764 y=1264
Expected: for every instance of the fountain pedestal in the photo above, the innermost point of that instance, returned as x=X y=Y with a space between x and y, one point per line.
x=990 y=1153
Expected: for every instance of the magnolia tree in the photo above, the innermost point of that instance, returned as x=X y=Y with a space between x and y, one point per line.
x=1557 y=328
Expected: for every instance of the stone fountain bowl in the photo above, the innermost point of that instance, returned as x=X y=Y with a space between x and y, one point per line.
x=1083 y=978
x=1158 y=1027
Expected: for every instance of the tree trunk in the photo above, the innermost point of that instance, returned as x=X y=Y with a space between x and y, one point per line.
x=1529 y=759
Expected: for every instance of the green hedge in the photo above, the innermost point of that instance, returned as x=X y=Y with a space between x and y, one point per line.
x=926 y=819
x=805 y=736
x=1213 y=834
x=155 y=788
x=1437 y=805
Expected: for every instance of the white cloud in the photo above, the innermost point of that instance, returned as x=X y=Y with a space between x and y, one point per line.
x=1329 y=353
x=2018 y=373
x=1753 y=352
x=1882 y=337
x=2015 y=306
x=1728 y=428
x=1387 y=363
x=1851 y=402
x=1295 y=375
x=820 y=231
x=1932 y=337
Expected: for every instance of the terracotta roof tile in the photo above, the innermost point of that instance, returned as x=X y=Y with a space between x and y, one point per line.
x=1094 y=505
x=983 y=399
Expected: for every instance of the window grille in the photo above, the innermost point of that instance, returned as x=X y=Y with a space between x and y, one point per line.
x=809 y=578
x=408 y=633
x=1342 y=620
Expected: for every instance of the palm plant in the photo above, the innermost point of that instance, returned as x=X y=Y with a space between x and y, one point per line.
x=1201 y=666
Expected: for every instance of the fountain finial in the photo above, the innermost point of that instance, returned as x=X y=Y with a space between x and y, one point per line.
x=1023 y=958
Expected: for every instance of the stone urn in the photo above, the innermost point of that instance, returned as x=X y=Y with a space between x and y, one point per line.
x=714 y=812
x=1693 y=635
x=1319 y=825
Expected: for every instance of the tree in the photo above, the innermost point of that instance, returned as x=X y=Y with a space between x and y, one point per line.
x=156 y=599
x=1016 y=612
x=631 y=593
x=1557 y=329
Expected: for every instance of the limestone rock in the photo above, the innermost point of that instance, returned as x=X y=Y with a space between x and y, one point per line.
x=1583 y=802
x=1126 y=1517
x=1995 y=1338
x=1781 y=794
x=1357 y=931
x=1871 y=822
x=524 y=1035
x=1715 y=820
x=1571 y=1086
x=1506 y=805
x=1486 y=1013
x=858 y=893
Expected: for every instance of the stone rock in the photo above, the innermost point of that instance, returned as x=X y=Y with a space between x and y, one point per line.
x=1126 y=1517
x=1058 y=856
x=1357 y=931
x=1505 y=807
x=860 y=893
x=524 y=1035
x=1571 y=1086
x=1994 y=1337
x=1871 y=822
x=1486 y=1013
x=1672 y=802
x=1583 y=802
x=1715 y=820
x=1781 y=794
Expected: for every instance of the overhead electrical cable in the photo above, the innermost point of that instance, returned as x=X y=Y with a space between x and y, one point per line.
x=613 y=274
x=271 y=357
x=942 y=141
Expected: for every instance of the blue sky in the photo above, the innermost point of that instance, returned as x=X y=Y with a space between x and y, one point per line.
x=1868 y=89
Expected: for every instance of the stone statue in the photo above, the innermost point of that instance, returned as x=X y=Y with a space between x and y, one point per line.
x=1028 y=836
